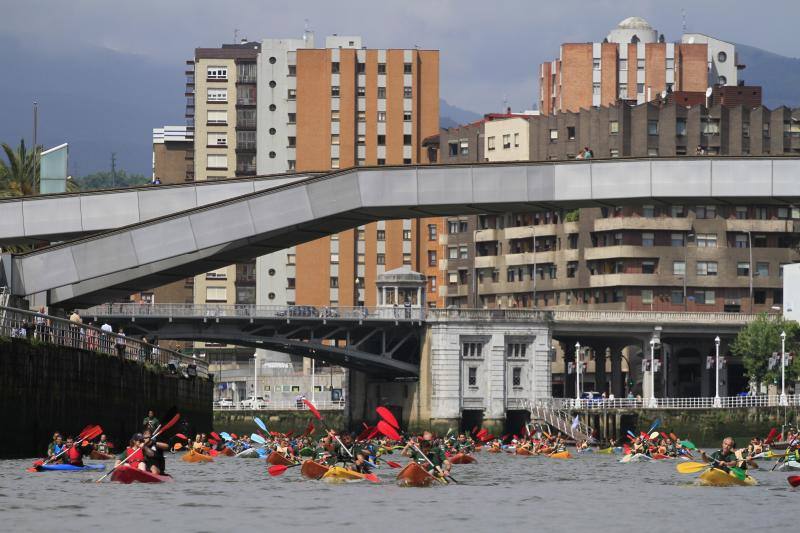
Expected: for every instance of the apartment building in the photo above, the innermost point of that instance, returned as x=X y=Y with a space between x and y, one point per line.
x=335 y=107
x=652 y=257
x=173 y=154
x=634 y=63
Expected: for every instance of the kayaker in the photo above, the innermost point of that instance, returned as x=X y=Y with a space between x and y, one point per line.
x=73 y=456
x=103 y=446
x=360 y=465
x=55 y=448
x=724 y=457
x=198 y=445
x=153 y=452
x=133 y=453
x=150 y=422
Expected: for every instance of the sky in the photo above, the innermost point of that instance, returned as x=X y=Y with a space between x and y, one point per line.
x=489 y=51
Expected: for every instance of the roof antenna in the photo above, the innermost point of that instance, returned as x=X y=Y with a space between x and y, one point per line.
x=683 y=17
x=306 y=29
x=235 y=35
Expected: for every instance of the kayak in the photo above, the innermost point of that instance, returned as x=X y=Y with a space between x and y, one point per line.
x=560 y=455
x=523 y=452
x=129 y=474
x=788 y=466
x=313 y=470
x=196 y=457
x=585 y=450
x=714 y=477
x=249 y=453
x=100 y=456
x=337 y=474
x=69 y=468
x=226 y=451
x=611 y=450
x=660 y=456
x=276 y=458
x=635 y=458
x=462 y=459
x=493 y=450
x=413 y=475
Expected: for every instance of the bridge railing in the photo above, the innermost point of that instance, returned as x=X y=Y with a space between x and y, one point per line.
x=656 y=317
x=284 y=405
x=211 y=311
x=728 y=402
x=19 y=323
x=507 y=314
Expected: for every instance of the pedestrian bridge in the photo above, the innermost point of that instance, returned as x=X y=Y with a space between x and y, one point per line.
x=158 y=251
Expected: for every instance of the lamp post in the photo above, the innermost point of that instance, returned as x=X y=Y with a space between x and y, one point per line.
x=577 y=374
x=783 y=399
x=313 y=378
x=717 y=400
x=653 y=401
x=686 y=269
x=255 y=380
x=750 y=266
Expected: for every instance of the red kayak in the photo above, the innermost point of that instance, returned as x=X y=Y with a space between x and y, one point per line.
x=128 y=474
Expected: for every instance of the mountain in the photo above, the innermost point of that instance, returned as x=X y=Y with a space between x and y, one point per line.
x=778 y=75
x=450 y=115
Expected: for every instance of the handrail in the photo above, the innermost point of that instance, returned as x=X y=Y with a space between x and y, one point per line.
x=727 y=402
x=284 y=405
x=20 y=323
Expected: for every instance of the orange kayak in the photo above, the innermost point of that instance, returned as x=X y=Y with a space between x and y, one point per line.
x=493 y=450
x=524 y=451
x=413 y=475
x=227 y=451
x=560 y=455
x=276 y=458
x=462 y=459
x=196 y=457
x=313 y=470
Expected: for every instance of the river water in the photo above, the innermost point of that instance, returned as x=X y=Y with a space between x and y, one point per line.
x=591 y=492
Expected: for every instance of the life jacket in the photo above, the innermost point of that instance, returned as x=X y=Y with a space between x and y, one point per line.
x=74 y=456
x=135 y=457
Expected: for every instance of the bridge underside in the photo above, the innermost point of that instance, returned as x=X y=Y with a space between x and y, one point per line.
x=160 y=251
x=383 y=349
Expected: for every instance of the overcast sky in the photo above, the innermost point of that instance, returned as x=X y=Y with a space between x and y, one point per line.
x=489 y=50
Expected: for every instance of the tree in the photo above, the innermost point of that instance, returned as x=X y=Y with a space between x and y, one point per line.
x=756 y=343
x=104 y=180
x=18 y=175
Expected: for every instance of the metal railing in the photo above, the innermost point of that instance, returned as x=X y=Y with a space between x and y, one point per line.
x=254 y=311
x=451 y=314
x=283 y=405
x=559 y=418
x=19 y=323
x=655 y=317
x=727 y=402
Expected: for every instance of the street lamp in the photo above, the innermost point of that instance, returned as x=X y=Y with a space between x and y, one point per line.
x=717 y=400
x=653 y=401
x=686 y=269
x=783 y=400
x=577 y=374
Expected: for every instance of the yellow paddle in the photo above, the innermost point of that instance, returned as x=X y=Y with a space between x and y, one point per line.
x=690 y=467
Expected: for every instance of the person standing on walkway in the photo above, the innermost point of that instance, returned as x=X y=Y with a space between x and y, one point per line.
x=75 y=328
x=120 y=343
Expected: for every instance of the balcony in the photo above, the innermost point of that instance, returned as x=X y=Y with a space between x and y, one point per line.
x=616 y=252
x=483 y=235
x=642 y=223
x=628 y=280
x=527 y=232
x=760 y=226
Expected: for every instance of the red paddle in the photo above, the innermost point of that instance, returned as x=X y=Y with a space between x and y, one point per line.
x=181 y=436
x=234 y=435
x=392 y=464
x=216 y=436
x=794 y=481
x=387 y=415
x=388 y=430
x=312 y=409
x=277 y=470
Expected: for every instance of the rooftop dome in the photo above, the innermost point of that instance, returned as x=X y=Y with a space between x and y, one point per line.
x=634 y=23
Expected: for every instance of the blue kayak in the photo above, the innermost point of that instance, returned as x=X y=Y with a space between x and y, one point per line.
x=70 y=468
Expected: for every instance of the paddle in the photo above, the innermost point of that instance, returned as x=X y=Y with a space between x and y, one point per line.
x=260 y=423
x=216 y=436
x=225 y=436
x=794 y=481
x=88 y=433
x=387 y=415
x=393 y=464
x=258 y=438
x=160 y=429
x=772 y=433
x=691 y=467
x=277 y=470
x=689 y=445
x=177 y=447
x=392 y=433
x=656 y=424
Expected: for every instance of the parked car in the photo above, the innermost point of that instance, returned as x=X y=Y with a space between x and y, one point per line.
x=253 y=403
x=592 y=396
x=225 y=403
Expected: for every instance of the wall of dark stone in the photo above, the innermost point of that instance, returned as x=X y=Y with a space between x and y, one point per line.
x=44 y=388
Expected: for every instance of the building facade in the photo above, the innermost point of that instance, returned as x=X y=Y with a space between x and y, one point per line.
x=635 y=63
x=173 y=154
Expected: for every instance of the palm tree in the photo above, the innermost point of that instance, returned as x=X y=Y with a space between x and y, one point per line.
x=19 y=176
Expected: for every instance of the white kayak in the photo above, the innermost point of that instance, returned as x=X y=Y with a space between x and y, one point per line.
x=249 y=453
x=788 y=466
x=635 y=458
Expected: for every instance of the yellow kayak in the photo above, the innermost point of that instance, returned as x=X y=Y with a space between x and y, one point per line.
x=560 y=455
x=714 y=477
x=337 y=474
x=195 y=457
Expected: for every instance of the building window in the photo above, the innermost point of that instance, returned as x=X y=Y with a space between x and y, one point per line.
x=361 y=91
x=291 y=141
x=516 y=350
x=291 y=283
x=762 y=269
x=704 y=297
x=648 y=267
x=407 y=92
x=334 y=116
x=676 y=239
x=217 y=95
x=572 y=269
x=431 y=257
x=623 y=64
x=760 y=297
x=220 y=273
x=381 y=116
x=570 y=133
x=432 y=232
x=648 y=211
x=676 y=297
x=516 y=377
x=217 y=117
x=614 y=152
x=705 y=211
x=406 y=140
x=678 y=268
x=380 y=234
x=360 y=259
x=381 y=140
x=335 y=91
x=741 y=241
x=431 y=283
x=680 y=127
x=291 y=94
x=291 y=259
x=406 y=259
x=452 y=278
x=463 y=252
x=381 y=93
x=334 y=259
x=623 y=90
x=217 y=73
x=406 y=234
x=722 y=57
x=361 y=140
x=335 y=139
x=335 y=67
x=706 y=268
x=380 y=259
x=471 y=349
x=381 y=162
x=291 y=164
x=217 y=139
x=406 y=116
x=506 y=141
x=613 y=127
x=381 y=68
x=648 y=239
x=516 y=140
x=217 y=161
x=652 y=127
x=640 y=64
x=472 y=376
x=216 y=294
x=596 y=89
x=706 y=240
x=670 y=62
x=647 y=296
x=742 y=268
x=292 y=118
x=406 y=68
x=334 y=162
x=553 y=135
x=361 y=68
x=640 y=88
x=490 y=143
x=464 y=146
